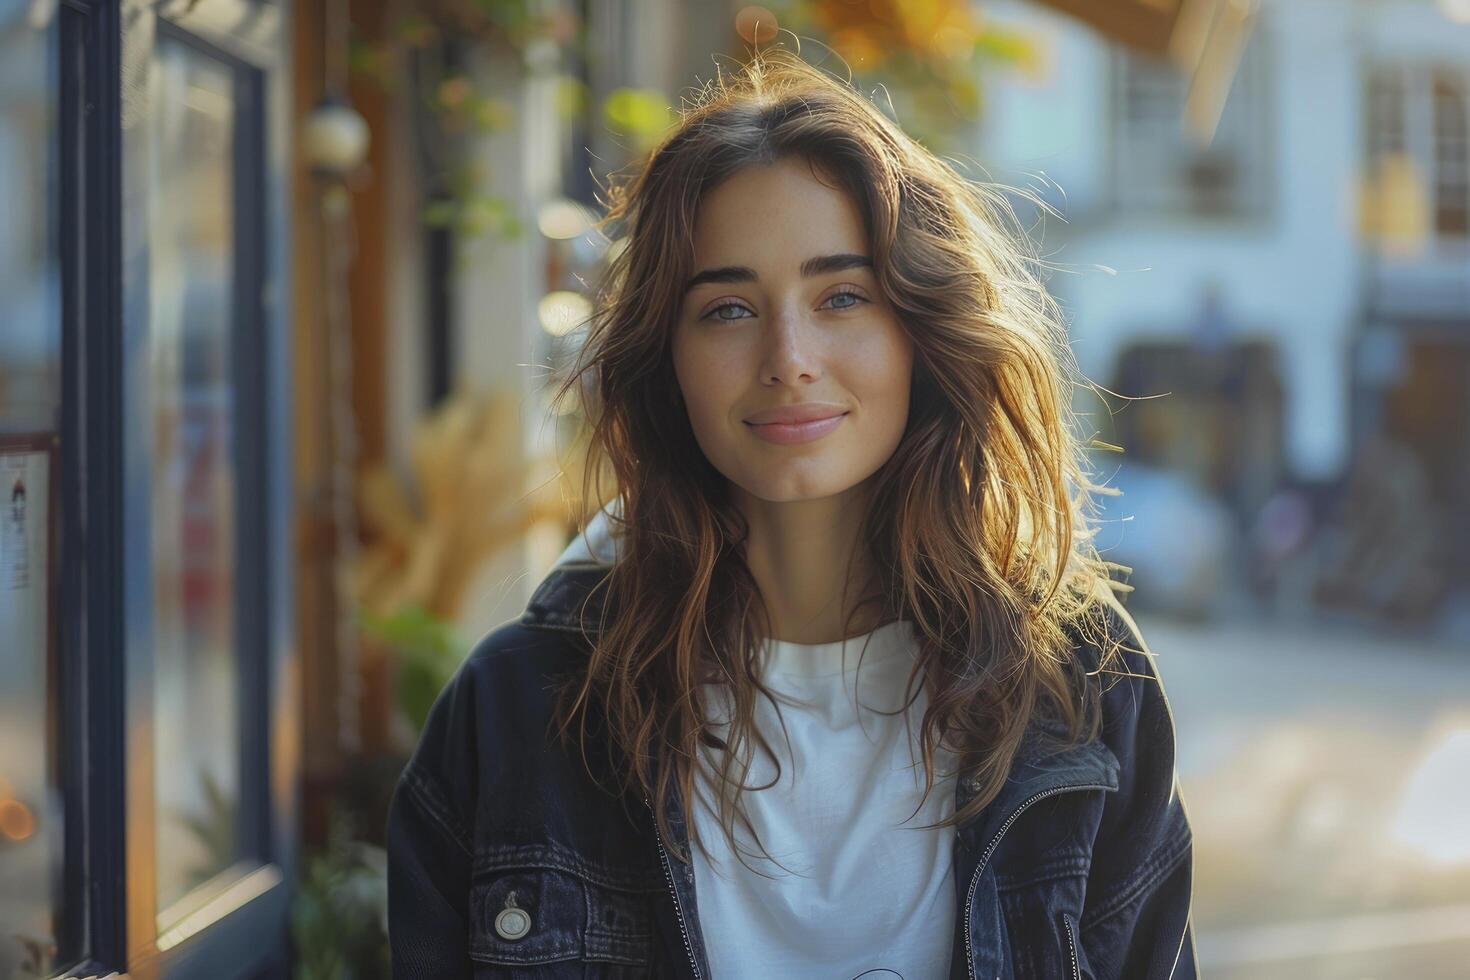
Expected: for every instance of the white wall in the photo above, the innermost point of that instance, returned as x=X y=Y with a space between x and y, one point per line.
x=406 y=368
x=497 y=282
x=1294 y=275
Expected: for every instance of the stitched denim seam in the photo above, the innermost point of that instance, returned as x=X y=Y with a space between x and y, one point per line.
x=619 y=935
x=619 y=959
x=537 y=856
x=555 y=954
x=602 y=933
x=1069 y=867
x=1164 y=861
x=424 y=790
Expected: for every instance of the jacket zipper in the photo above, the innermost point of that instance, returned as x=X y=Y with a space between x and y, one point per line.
x=669 y=878
x=1072 y=948
x=990 y=849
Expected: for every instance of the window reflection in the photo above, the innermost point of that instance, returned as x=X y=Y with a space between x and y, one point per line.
x=191 y=301
x=30 y=404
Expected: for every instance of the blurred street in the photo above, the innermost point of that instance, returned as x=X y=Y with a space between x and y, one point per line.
x=1324 y=767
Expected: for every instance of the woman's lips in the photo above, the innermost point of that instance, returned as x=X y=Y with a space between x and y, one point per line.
x=788 y=433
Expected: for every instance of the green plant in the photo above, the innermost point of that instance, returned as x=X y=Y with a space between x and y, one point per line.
x=924 y=59
x=213 y=828
x=339 y=920
x=425 y=657
x=424 y=49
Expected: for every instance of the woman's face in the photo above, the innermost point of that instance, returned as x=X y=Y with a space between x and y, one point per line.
x=784 y=313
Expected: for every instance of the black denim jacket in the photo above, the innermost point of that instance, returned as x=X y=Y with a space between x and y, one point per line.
x=505 y=860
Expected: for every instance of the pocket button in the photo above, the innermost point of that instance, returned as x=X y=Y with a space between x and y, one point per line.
x=512 y=923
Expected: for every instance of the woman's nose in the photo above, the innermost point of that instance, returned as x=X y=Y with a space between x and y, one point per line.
x=791 y=349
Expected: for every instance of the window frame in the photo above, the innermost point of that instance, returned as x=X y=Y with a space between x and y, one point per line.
x=90 y=653
x=1400 y=106
x=104 y=692
x=1254 y=118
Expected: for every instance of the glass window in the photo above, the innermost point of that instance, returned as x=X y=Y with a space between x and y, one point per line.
x=31 y=829
x=191 y=326
x=1451 y=156
x=1158 y=166
x=1386 y=124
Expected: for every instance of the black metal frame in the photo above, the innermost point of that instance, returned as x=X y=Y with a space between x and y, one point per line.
x=90 y=661
x=439 y=242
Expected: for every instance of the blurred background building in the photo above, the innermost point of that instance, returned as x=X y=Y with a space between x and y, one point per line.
x=282 y=286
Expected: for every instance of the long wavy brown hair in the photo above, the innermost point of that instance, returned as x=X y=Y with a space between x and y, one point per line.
x=978 y=525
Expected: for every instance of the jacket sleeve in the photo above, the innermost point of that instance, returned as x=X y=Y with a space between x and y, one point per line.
x=1136 y=920
x=429 y=844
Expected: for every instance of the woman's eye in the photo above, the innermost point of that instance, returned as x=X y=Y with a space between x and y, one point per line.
x=854 y=297
x=844 y=300
x=714 y=314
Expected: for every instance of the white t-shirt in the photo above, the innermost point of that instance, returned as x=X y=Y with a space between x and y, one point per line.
x=865 y=891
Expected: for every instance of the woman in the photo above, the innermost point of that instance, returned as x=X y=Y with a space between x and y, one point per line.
x=838 y=686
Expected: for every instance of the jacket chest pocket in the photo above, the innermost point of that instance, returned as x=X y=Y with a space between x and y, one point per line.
x=532 y=918
x=1041 y=926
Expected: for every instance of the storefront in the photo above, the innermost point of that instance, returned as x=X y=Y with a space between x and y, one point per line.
x=147 y=670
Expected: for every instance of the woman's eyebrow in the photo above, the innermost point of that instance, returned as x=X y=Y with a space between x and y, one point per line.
x=815 y=266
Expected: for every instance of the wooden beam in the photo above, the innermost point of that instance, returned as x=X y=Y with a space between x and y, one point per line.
x=369 y=276
x=315 y=547
x=1144 y=24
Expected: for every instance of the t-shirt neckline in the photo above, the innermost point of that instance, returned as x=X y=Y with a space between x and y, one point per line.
x=789 y=659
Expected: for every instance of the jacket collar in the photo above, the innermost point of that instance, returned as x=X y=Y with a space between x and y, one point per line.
x=568 y=598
